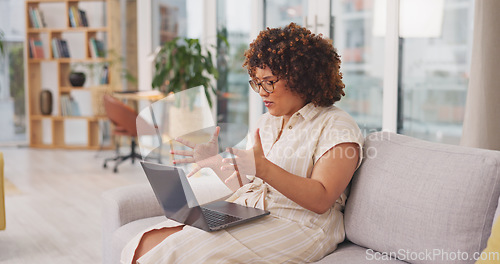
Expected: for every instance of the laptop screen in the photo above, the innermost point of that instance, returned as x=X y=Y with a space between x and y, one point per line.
x=173 y=193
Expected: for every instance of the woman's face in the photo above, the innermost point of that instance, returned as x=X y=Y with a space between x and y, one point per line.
x=281 y=102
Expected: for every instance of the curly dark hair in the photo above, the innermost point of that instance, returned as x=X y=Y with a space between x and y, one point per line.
x=307 y=62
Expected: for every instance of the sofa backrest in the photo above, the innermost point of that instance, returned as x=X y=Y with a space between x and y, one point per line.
x=423 y=202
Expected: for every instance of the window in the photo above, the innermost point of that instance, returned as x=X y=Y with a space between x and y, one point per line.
x=434 y=69
x=12 y=106
x=431 y=73
x=233 y=24
x=359 y=41
x=279 y=13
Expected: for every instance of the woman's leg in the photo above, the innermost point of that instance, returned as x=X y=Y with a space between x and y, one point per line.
x=152 y=238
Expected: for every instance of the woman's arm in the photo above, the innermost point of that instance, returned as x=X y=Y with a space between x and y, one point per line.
x=330 y=176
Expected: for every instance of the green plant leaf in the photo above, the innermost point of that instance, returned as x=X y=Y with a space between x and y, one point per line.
x=182 y=64
x=1 y=42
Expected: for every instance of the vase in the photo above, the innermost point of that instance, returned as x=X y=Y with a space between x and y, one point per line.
x=46 y=102
x=77 y=79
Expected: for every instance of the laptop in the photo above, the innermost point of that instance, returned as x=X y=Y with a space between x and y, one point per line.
x=179 y=203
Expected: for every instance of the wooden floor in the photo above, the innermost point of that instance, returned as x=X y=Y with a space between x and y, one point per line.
x=56 y=217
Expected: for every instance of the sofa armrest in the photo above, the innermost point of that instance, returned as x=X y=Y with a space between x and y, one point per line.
x=129 y=203
x=124 y=205
x=497 y=212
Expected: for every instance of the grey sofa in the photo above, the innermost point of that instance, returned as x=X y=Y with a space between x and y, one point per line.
x=410 y=201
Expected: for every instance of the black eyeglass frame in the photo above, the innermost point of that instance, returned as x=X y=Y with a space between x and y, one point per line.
x=256 y=86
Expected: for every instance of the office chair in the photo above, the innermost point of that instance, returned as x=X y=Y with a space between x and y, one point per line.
x=124 y=120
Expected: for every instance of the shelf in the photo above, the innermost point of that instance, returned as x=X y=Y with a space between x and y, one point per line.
x=40 y=117
x=33 y=60
x=56 y=131
x=67 y=89
x=73 y=60
x=76 y=1
x=60 y=118
x=42 y=146
x=89 y=118
x=67 y=30
x=68 y=60
x=72 y=147
x=62 y=1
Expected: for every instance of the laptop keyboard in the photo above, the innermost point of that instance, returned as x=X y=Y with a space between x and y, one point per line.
x=215 y=219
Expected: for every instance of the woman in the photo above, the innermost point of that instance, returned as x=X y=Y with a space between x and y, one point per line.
x=304 y=154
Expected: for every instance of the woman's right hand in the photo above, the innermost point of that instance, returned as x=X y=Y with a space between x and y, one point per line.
x=204 y=155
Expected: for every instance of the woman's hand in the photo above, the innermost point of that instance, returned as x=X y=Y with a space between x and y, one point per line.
x=201 y=154
x=246 y=162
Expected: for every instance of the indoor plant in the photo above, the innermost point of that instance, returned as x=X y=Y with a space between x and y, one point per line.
x=180 y=64
x=1 y=42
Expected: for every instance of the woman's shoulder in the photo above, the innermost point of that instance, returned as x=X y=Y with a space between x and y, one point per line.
x=334 y=114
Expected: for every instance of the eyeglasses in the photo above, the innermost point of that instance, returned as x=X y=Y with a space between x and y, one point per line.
x=268 y=86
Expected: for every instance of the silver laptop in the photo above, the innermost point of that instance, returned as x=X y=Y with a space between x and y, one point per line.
x=179 y=203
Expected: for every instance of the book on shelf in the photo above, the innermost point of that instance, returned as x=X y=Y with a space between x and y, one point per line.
x=75 y=108
x=64 y=102
x=83 y=17
x=74 y=16
x=55 y=50
x=72 y=19
x=97 y=49
x=36 y=17
x=60 y=48
x=64 y=48
x=69 y=106
x=105 y=75
x=32 y=15
x=36 y=48
x=77 y=17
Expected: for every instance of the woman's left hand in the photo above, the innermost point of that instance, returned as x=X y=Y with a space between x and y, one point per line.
x=201 y=154
x=246 y=162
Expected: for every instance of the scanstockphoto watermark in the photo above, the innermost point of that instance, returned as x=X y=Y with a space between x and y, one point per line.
x=431 y=255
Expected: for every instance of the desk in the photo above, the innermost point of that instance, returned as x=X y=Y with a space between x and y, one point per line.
x=152 y=95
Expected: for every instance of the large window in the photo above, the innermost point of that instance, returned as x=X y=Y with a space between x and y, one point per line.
x=359 y=39
x=413 y=81
x=159 y=21
x=350 y=24
x=233 y=25
x=12 y=107
x=279 y=13
x=434 y=68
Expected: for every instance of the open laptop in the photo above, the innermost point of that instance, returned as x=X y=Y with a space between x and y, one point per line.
x=179 y=203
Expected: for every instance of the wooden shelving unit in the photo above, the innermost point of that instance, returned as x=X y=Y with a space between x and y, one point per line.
x=48 y=131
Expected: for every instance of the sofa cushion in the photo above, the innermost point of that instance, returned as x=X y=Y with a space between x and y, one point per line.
x=349 y=253
x=414 y=197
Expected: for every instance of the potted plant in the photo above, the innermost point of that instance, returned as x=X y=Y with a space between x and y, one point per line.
x=1 y=42
x=180 y=64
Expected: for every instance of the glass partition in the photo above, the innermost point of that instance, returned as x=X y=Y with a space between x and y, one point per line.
x=434 y=68
x=233 y=25
x=358 y=35
x=279 y=13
